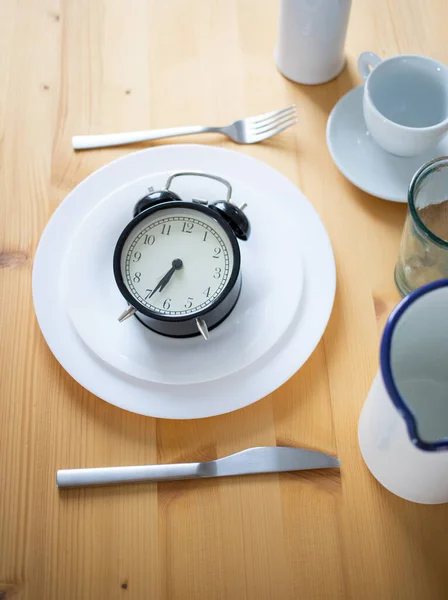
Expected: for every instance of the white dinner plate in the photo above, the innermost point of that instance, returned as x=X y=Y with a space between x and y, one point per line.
x=272 y=284
x=362 y=161
x=200 y=399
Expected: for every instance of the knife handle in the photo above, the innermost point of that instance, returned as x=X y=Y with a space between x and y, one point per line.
x=111 y=475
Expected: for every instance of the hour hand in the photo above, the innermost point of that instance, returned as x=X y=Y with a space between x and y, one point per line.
x=161 y=283
x=175 y=265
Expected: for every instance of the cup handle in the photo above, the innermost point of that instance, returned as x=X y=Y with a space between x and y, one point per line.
x=367 y=61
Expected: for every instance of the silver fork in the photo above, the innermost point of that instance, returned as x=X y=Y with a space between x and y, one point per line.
x=245 y=131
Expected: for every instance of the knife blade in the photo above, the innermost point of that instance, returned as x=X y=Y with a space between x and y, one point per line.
x=268 y=459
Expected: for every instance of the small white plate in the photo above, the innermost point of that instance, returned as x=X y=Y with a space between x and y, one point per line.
x=201 y=399
x=362 y=161
x=272 y=285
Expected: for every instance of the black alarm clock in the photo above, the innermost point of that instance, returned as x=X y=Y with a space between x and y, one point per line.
x=177 y=263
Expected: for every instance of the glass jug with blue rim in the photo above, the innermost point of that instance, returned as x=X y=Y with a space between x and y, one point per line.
x=403 y=427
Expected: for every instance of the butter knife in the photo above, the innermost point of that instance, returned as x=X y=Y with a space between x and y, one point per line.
x=270 y=459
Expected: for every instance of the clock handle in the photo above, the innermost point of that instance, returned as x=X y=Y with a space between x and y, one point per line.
x=200 y=174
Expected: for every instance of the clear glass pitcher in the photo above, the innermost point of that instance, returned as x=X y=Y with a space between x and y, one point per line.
x=424 y=244
x=403 y=427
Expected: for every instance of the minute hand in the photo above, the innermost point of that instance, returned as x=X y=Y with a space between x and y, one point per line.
x=177 y=264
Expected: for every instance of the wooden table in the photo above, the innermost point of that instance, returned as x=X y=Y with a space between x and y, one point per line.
x=69 y=67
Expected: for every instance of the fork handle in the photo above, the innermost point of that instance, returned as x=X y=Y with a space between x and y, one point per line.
x=84 y=142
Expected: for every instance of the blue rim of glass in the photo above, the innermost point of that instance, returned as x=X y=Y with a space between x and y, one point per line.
x=386 y=369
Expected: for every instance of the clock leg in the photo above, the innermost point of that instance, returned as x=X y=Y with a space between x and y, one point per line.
x=202 y=327
x=126 y=314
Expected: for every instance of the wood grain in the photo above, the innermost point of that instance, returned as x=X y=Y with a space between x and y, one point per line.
x=78 y=66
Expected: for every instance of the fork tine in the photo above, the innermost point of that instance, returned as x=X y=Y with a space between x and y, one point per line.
x=273 y=120
x=258 y=129
x=270 y=133
x=269 y=115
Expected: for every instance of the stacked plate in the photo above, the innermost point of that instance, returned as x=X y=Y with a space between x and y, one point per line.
x=288 y=290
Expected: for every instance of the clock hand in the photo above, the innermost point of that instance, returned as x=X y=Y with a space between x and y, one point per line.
x=161 y=282
x=176 y=264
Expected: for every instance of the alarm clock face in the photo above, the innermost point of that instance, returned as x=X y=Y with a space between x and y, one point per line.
x=176 y=261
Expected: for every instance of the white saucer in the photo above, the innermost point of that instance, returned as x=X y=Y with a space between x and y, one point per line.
x=362 y=161
x=202 y=399
x=272 y=285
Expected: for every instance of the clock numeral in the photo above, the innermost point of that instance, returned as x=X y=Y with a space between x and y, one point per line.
x=137 y=277
x=217 y=252
x=166 y=229
x=148 y=293
x=149 y=239
x=187 y=227
x=205 y=236
x=217 y=274
x=137 y=256
x=207 y=292
x=167 y=303
x=189 y=302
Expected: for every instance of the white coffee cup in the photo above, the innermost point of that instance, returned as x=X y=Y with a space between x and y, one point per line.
x=405 y=102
